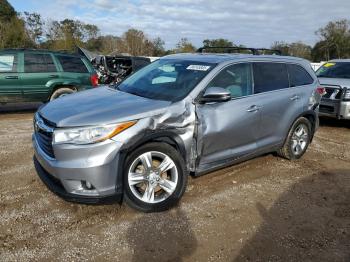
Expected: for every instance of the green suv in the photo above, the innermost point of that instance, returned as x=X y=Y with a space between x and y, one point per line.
x=41 y=75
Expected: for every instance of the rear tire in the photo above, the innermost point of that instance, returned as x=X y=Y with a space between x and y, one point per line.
x=154 y=178
x=60 y=92
x=298 y=140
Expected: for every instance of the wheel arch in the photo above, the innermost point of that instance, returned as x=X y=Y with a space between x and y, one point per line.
x=167 y=137
x=55 y=87
x=309 y=115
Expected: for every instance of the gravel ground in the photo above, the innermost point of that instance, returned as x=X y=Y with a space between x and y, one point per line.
x=265 y=209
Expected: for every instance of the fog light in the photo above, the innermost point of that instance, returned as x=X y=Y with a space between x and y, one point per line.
x=87 y=185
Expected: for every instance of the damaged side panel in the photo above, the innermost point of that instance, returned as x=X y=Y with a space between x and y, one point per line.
x=225 y=131
x=176 y=123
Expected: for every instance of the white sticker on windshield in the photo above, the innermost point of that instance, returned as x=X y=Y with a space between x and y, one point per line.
x=198 y=67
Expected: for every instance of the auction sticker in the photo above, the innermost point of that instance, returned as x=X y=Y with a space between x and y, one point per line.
x=198 y=67
x=329 y=64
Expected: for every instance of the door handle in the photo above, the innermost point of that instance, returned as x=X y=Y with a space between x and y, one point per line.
x=11 y=77
x=253 y=108
x=295 y=97
x=53 y=76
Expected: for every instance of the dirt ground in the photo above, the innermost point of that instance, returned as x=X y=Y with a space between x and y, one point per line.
x=266 y=209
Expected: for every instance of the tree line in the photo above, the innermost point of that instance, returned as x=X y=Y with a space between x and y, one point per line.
x=29 y=30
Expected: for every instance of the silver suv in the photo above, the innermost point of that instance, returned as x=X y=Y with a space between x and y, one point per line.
x=183 y=114
x=334 y=76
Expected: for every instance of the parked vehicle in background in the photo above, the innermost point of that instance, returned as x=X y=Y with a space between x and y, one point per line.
x=334 y=76
x=28 y=75
x=113 y=69
x=182 y=114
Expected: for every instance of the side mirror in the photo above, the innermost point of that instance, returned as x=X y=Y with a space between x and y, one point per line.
x=215 y=94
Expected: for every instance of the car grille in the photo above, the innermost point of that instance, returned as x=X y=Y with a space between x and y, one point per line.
x=44 y=134
x=327 y=109
x=333 y=93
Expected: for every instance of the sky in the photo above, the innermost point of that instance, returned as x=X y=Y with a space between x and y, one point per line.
x=254 y=23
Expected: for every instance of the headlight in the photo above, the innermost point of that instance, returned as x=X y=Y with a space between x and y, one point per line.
x=88 y=135
x=347 y=94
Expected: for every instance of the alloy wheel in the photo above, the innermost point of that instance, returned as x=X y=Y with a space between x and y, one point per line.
x=152 y=177
x=300 y=139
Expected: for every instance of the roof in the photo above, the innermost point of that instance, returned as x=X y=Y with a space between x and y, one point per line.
x=39 y=50
x=223 y=57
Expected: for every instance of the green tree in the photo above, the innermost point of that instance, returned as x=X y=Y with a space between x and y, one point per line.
x=7 y=12
x=68 y=33
x=185 y=46
x=281 y=46
x=134 y=42
x=158 y=47
x=220 y=42
x=335 y=41
x=298 y=49
x=34 y=26
x=12 y=28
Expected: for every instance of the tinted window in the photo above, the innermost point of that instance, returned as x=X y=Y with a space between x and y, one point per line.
x=38 y=63
x=236 y=79
x=334 y=70
x=72 y=64
x=166 y=79
x=298 y=76
x=8 y=63
x=269 y=77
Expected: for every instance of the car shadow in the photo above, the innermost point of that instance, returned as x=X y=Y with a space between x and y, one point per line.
x=333 y=122
x=309 y=222
x=165 y=236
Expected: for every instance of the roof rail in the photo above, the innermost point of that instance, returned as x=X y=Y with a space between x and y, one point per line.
x=232 y=49
x=42 y=50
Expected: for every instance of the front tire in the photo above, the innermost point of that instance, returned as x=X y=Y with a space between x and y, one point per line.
x=298 y=139
x=154 y=178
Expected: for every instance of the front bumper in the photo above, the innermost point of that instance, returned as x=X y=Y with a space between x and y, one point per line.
x=75 y=165
x=335 y=108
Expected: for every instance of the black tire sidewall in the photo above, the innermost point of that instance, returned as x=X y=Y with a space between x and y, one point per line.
x=173 y=199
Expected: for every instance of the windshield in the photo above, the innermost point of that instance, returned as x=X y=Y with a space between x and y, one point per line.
x=334 y=70
x=166 y=79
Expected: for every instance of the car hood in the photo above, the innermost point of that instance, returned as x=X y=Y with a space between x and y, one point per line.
x=342 y=82
x=102 y=105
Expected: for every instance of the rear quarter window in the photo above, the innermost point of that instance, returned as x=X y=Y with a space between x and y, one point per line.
x=38 y=63
x=269 y=76
x=8 y=63
x=298 y=76
x=72 y=64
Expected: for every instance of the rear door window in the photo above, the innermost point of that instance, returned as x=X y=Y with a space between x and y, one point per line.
x=270 y=76
x=38 y=63
x=298 y=76
x=8 y=63
x=72 y=64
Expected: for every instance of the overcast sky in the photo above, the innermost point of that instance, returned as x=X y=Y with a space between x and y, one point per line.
x=255 y=23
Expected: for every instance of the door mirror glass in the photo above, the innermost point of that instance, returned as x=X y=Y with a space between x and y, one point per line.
x=215 y=94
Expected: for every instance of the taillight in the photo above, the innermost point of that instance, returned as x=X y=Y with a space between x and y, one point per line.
x=321 y=90
x=94 y=80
